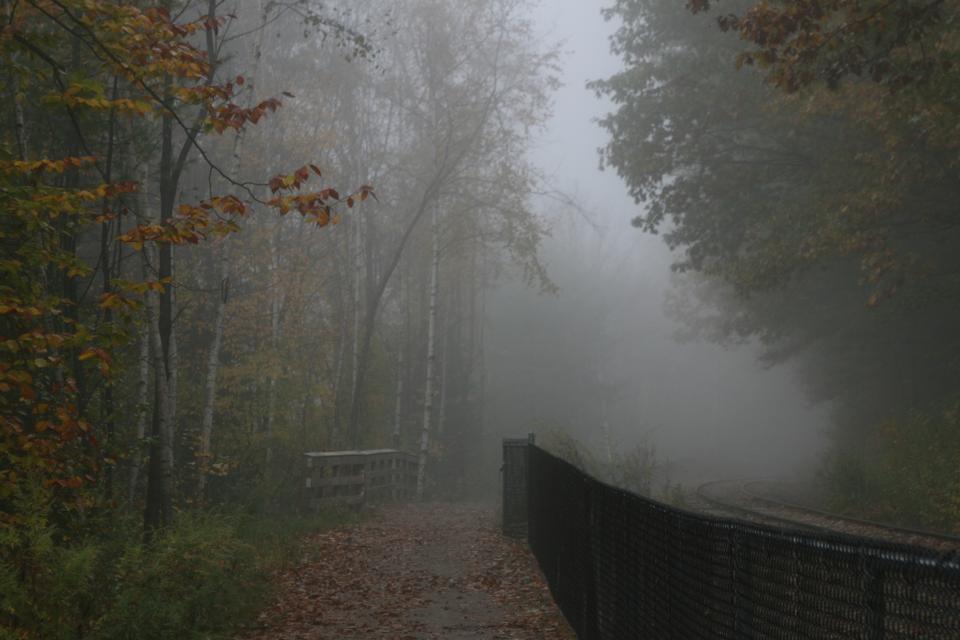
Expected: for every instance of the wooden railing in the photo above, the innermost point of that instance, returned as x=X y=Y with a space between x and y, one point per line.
x=356 y=477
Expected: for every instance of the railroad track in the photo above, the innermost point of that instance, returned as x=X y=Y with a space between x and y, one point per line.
x=747 y=500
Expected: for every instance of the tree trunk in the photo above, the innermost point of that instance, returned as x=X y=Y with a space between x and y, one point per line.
x=213 y=357
x=107 y=407
x=159 y=508
x=143 y=339
x=357 y=283
x=398 y=398
x=21 y=133
x=376 y=296
x=173 y=365
x=213 y=368
x=158 y=512
x=274 y=299
x=431 y=355
x=444 y=370
x=143 y=385
x=342 y=253
x=337 y=386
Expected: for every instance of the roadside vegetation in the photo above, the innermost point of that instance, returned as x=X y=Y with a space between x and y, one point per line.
x=638 y=469
x=206 y=576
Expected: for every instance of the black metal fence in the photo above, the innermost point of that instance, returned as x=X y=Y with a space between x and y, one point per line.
x=514 y=481
x=621 y=566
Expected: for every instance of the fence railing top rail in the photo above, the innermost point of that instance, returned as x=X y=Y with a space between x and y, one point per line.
x=355 y=452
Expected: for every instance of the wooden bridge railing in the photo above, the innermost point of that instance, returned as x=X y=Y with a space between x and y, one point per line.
x=356 y=477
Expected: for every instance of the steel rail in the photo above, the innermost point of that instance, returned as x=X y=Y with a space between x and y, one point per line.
x=873 y=524
x=741 y=488
x=727 y=505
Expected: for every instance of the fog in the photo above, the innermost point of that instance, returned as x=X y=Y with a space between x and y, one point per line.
x=603 y=344
x=243 y=231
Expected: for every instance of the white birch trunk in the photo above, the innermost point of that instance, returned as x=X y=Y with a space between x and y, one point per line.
x=275 y=305
x=398 y=398
x=357 y=272
x=431 y=356
x=19 y=122
x=342 y=336
x=337 y=386
x=444 y=360
x=205 y=453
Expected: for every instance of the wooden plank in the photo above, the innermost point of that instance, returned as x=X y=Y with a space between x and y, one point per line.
x=337 y=481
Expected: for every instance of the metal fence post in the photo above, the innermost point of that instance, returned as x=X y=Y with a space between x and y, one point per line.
x=515 y=485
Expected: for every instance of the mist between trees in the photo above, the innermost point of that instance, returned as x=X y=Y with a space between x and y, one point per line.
x=801 y=162
x=234 y=232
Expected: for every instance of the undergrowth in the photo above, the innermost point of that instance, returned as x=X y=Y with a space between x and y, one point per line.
x=202 y=578
x=638 y=470
x=909 y=478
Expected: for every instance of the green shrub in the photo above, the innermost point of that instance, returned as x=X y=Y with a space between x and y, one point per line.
x=47 y=590
x=46 y=586
x=200 y=578
x=195 y=579
x=560 y=443
x=638 y=470
x=912 y=478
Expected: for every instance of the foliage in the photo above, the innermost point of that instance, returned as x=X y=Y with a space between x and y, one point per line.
x=799 y=43
x=47 y=588
x=191 y=581
x=757 y=188
x=52 y=355
x=560 y=443
x=202 y=578
x=46 y=351
x=102 y=75
x=638 y=470
x=913 y=480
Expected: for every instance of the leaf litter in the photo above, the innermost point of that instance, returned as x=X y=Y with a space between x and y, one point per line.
x=414 y=572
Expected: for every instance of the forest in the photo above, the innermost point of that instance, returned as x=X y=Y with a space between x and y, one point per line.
x=236 y=231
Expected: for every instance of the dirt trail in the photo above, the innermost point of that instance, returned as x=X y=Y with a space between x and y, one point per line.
x=415 y=572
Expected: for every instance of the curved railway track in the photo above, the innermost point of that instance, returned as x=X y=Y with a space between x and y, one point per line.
x=748 y=501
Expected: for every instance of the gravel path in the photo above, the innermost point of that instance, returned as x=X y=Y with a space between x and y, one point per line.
x=415 y=572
